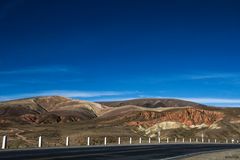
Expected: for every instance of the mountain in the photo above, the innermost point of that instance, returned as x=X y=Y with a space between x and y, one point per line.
x=56 y=117
x=49 y=110
x=153 y=103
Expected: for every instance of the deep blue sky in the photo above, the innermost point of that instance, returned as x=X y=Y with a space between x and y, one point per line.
x=120 y=49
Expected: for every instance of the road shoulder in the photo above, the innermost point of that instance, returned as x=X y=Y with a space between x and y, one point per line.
x=233 y=154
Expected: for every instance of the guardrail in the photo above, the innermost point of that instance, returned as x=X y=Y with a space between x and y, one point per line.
x=119 y=142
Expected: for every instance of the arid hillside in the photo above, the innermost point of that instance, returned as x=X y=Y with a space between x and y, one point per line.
x=56 y=117
x=153 y=103
x=53 y=109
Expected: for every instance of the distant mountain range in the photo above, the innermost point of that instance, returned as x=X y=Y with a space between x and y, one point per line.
x=56 y=116
x=153 y=103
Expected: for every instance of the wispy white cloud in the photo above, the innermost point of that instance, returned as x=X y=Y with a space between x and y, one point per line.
x=67 y=93
x=84 y=94
x=211 y=76
x=117 y=98
x=44 y=69
x=214 y=100
x=3 y=98
x=231 y=78
x=122 y=95
x=50 y=81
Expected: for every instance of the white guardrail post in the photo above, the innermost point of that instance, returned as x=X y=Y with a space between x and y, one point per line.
x=4 y=142
x=183 y=140
x=119 y=140
x=105 y=141
x=140 y=140
x=175 y=140
x=159 y=140
x=67 y=141
x=130 y=140
x=39 y=141
x=88 y=141
x=167 y=140
x=190 y=140
x=149 y=140
x=202 y=138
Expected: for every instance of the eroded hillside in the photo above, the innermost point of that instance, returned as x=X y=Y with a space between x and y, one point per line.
x=53 y=109
x=56 y=117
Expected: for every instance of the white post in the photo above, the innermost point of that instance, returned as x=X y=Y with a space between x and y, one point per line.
x=119 y=140
x=183 y=140
x=149 y=140
x=167 y=140
x=140 y=140
x=88 y=141
x=237 y=141
x=130 y=140
x=202 y=138
x=215 y=141
x=67 y=141
x=159 y=136
x=175 y=140
x=197 y=140
x=105 y=141
x=208 y=140
x=190 y=140
x=39 y=141
x=232 y=140
x=226 y=140
x=4 y=142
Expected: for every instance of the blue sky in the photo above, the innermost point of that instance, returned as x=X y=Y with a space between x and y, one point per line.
x=123 y=49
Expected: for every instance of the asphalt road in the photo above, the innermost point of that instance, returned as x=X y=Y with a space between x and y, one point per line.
x=130 y=152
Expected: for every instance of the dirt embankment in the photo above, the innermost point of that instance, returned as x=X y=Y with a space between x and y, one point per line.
x=186 y=116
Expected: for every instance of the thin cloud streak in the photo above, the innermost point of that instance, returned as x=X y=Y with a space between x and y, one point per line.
x=49 y=69
x=212 y=76
x=67 y=93
x=104 y=99
x=228 y=77
x=121 y=95
x=214 y=100
x=3 y=98
x=84 y=94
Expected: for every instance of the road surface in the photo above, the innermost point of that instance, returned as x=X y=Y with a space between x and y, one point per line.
x=129 y=152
